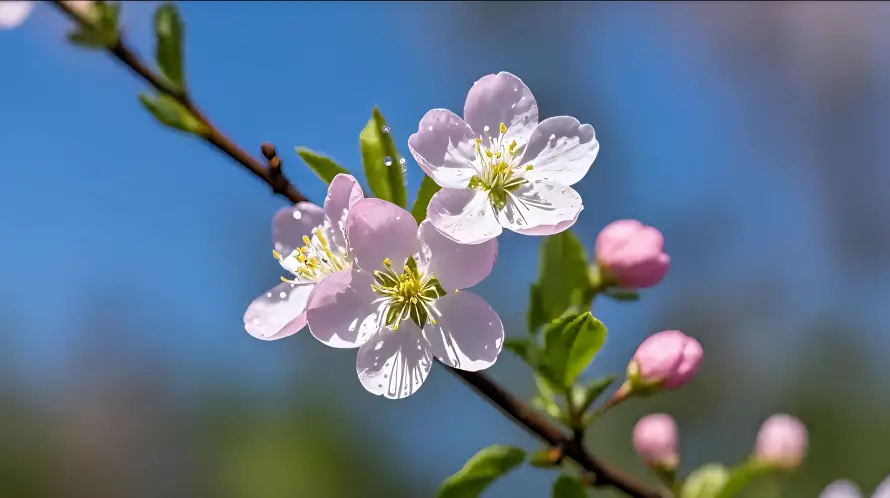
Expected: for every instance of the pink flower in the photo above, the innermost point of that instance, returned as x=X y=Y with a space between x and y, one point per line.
x=400 y=304
x=666 y=360
x=655 y=441
x=631 y=254
x=14 y=13
x=309 y=241
x=781 y=441
x=846 y=489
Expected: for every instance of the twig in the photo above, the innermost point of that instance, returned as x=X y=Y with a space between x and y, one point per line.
x=600 y=473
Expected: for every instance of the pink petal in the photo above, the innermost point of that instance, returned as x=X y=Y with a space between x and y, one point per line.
x=561 y=150
x=841 y=489
x=394 y=364
x=343 y=192
x=457 y=266
x=377 y=229
x=501 y=98
x=342 y=310
x=278 y=313
x=14 y=13
x=468 y=334
x=291 y=223
x=444 y=147
x=883 y=489
x=541 y=208
x=463 y=215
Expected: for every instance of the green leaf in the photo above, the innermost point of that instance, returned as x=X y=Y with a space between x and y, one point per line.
x=323 y=166
x=168 y=52
x=87 y=39
x=583 y=397
x=622 y=294
x=480 y=471
x=171 y=113
x=101 y=31
x=563 y=272
x=428 y=187
x=705 y=481
x=536 y=315
x=523 y=347
x=743 y=476
x=570 y=343
x=567 y=486
x=544 y=458
x=383 y=167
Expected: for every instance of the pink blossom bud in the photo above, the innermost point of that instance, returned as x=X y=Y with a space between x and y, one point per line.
x=14 y=13
x=631 y=254
x=667 y=360
x=655 y=440
x=781 y=442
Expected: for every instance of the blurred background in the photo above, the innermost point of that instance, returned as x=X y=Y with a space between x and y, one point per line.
x=754 y=135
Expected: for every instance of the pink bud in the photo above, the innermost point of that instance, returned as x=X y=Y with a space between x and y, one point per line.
x=781 y=441
x=14 y=13
x=631 y=254
x=655 y=440
x=668 y=359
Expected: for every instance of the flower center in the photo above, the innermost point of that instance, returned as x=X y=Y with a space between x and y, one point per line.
x=315 y=259
x=407 y=295
x=499 y=167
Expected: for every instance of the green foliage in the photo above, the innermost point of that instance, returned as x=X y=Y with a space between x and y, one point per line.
x=323 y=166
x=563 y=280
x=383 y=168
x=168 y=51
x=544 y=459
x=171 y=113
x=622 y=294
x=570 y=343
x=480 y=471
x=705 y=482
x=584 y=396
x=743 y=476
x=428 y=187
x=567 y=486
x=101 y=29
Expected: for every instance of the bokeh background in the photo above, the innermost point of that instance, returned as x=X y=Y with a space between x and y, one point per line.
x=754 y=135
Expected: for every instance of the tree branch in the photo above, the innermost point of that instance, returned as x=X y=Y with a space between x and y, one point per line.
x=600 y=473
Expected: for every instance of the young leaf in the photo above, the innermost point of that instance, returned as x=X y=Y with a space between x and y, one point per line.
x=480 y=471
x=743 y=476
x=323 y=166
x=563 y=270
x=428 y=187
x=87 y=39
x=536 y=315
x=570 y=343
x=383 y=165
x=545 y=458
x=585 y=396
x=623 y=294
x=168 y=52
x=524 y=348
x=171 y=113
x=567 y=486
x=102 y=26
x=705 y=481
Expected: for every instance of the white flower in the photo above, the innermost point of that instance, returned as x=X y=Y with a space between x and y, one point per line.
x=500 y=168
x=401 y=305
x=314 y=245
x=13 y=14
x=846 y=489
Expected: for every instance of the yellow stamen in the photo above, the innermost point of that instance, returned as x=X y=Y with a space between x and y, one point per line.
x=276 y=255
x=503 y=129
x=306 y=240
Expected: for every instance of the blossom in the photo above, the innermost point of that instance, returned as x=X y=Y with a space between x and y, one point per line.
x=781 y=441
x=665 y=360
x=403 y=303
x=14 y=13
x=631 y=254
x=846 y=489
x=655 y=440
x=499 y=167
x=309 y=242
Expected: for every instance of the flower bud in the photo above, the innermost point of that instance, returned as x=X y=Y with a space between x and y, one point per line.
x=781 y=442
x=655 y=441
x=14 y=13
x=666 y=360
x=841 y=489
x=630 y=254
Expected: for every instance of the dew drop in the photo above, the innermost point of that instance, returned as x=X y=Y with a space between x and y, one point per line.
x=268 y=294
x=297 y=215
x=387 y=161
x=430 y=128
x=386 y=129
x=402 y=161
x=486 y=129
x=379 y=386
x=562 y=191
x=256 y=321
x=282 y=295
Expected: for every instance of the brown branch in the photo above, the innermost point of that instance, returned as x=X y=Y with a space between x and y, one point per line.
x=600 y=474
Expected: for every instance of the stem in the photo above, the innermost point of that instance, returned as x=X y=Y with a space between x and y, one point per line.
x=602 y=474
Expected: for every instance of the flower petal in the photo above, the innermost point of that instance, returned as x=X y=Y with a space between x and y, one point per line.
x=501 y=98
x=343 y=192
x=463 y=215
x=457 y=266
x=841 y=489
x=394 y=364
x=444 y=147
x=883 y=489
x=14 y=13
x=342 y=311
x=562 y=150
x=541 y=208
x=377 y=229
x=291 y=223
x=468 y=335
x=278 y=313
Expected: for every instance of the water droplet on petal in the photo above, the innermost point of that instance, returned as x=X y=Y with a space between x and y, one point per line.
x=256 y=321
x=430 y=128
x=282 y=295
x=562 y=191
x=268 y=294
x=402 y=161
x=386 y=129
x=297 y=215
x=486 y=129
x=387 y=161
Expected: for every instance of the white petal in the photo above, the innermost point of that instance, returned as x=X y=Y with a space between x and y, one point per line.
x=377 y=229
x=457 y=266
x=540 y=208
x=394 y=364
x=343 y=192
x=291 y=223
x=501 y=98
x=561 y=150
x=468 y=334
x=14 y=13
x=883 y=489
x=445 y=148
x=841 y=489
x=278 y=313
x=342 y=309
x=463 y=215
